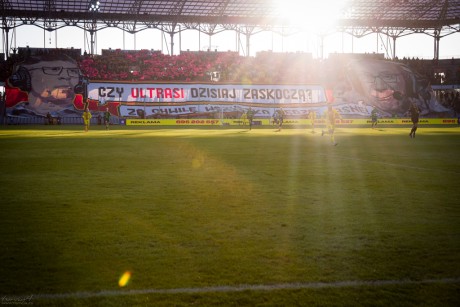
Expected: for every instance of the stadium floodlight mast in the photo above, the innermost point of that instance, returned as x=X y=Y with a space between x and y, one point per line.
x=94 y=7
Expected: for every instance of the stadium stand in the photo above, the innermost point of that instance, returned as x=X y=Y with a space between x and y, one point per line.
x=206 y=66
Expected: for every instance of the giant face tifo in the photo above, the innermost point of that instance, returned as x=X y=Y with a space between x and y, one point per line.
x=53 y=84
x=381 y=82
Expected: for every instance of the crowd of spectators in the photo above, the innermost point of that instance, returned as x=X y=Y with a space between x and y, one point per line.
x=197 y=66
x=266 y=67
x=436 y=71
x=206 y=66
x=145 y=65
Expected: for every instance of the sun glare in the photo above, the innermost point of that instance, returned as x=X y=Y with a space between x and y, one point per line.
x=314 y=15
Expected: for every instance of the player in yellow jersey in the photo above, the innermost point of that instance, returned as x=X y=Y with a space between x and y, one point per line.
x=312 y=118
x=244 y=118
x=331 y=115
x=86 y=119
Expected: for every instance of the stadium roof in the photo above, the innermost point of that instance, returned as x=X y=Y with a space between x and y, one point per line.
x=395 y=18
x=422 y=14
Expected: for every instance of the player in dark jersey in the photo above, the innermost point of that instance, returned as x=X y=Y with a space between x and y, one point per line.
x=374 y=117
x=281 y=115
x=414 y=117
x=107 y=118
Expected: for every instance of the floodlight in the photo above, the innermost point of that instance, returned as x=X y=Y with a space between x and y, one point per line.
x=94 y=6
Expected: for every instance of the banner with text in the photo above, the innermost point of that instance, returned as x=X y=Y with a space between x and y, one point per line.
x=147 y=100
x=289 y=122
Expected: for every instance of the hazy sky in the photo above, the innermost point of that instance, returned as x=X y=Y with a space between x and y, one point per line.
x=414 y=45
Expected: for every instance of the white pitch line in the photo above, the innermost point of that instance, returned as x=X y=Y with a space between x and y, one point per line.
x=240 y=288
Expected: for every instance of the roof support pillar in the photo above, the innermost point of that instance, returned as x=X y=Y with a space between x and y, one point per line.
x=7 y=47
x=248 y=43
x=6 y=31
x=91 y=33
x=437 y=38
x=394 y=47
x=171 y=34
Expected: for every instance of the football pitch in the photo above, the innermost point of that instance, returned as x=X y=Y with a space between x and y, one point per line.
x=178 y=217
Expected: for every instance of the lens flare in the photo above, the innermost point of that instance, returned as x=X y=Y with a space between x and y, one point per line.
x=124 y=279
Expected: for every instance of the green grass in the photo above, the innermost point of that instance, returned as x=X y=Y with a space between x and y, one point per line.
x=195 y=208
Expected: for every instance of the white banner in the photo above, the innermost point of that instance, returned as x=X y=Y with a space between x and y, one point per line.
x=170 y=93
x=209 y=110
